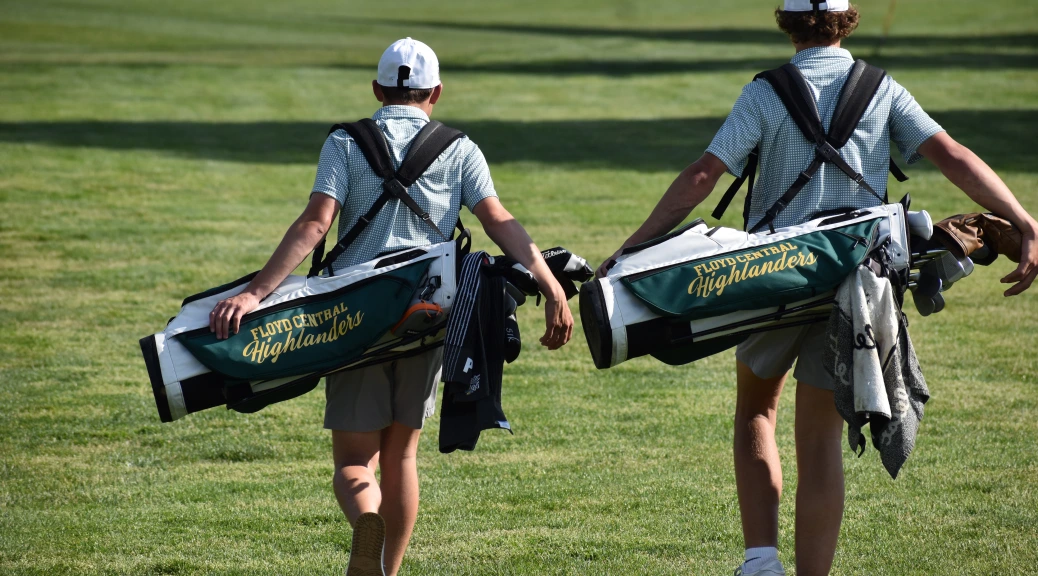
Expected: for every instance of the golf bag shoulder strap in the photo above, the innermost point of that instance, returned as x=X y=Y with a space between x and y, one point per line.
x=426 y=147
x=748 y=173
x=792 y=88
x=368 y=137
x=859 y=89
x=430 y=142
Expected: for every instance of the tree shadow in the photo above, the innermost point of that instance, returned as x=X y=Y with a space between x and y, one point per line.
x=721 y=35
x=998 y=136
x=627 y=68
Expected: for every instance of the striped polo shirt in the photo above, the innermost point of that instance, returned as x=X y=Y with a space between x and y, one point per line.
x=759 y=119
x=459 y=177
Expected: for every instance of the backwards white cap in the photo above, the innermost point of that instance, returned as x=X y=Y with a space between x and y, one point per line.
x=816 y=5
x=409 y=63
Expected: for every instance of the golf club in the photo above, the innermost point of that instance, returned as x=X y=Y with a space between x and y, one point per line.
x=927 y=285
x=967 y=266
x=938 y=303
x=947 y=268
x=925 y=305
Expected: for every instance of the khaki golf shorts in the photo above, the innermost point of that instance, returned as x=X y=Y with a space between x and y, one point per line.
x=372 y=398
x=771 y=354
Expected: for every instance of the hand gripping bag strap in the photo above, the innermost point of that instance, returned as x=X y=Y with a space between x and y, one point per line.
x=858 y=90
x=426 y=147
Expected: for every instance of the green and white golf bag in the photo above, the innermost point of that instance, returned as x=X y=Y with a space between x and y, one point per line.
x=306 y=328
x=700 y=290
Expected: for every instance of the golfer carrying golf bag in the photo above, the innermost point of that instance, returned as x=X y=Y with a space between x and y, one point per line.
x=807 y=167
x=376 y=413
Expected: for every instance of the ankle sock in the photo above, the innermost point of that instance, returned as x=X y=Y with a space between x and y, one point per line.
x=756 y=558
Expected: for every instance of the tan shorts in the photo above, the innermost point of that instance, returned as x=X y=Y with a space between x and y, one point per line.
x=372 y=398
x=771 y=354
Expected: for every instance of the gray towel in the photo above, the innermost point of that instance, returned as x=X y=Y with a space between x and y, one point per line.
x=874 y=367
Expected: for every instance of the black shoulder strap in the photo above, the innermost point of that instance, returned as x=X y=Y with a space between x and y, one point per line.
x=748 y=173
x=792 y=88
x=796 y=95
x=426 y=147
x=433 y=139
x=789 y=84
x=372 y=143
x=858 y=91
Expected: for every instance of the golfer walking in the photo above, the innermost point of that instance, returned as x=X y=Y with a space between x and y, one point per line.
x=376 y=413
x=763 y=361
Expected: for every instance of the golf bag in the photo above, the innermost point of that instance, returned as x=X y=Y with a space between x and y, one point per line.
x=308 y=327
x=314 y=325
x=700 y=290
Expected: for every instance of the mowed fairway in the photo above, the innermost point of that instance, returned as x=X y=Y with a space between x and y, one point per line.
x=151 y=150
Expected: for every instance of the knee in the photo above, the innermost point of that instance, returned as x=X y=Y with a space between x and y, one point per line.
x=353 y=474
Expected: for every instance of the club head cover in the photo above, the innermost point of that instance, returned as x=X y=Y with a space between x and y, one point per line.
x=920 y=224
x=567 y=268
x=513 y=342
x=514 y=273
x=984 y=255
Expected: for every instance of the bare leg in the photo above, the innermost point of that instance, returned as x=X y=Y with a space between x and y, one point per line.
x=819 y=433
x=758 y=476
x=356 y=455
x=400 y=488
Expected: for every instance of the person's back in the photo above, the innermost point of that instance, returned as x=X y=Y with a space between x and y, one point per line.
x=764 y=360
x=376 y=413
x=458 y=177
x=760 y=118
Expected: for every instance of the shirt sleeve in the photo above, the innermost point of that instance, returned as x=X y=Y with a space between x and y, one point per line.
x=740 y=133
x=476 y=184
x=333 y=173
x=910 y=126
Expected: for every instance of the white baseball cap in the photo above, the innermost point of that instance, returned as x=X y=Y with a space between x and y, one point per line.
x=409 y=63
x=812 y=5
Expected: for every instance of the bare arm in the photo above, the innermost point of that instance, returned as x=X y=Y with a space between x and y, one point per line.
x=974 y=177
x=299 y=240
x=512 y=238
x=688 y=190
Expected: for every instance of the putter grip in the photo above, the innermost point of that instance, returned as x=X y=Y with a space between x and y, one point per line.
x=920 y=224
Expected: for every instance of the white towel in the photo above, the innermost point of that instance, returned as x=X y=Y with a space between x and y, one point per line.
x=874 y=367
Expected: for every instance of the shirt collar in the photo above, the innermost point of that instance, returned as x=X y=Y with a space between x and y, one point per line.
x=399 y=112
x=820 y=52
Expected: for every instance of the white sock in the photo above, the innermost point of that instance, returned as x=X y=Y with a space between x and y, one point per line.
x=756 y=558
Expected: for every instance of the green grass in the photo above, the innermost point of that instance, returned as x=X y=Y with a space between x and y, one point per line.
x=150 y=150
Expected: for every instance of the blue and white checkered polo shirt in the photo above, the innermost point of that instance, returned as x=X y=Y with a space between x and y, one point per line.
x=460 y=176
x=759 y=118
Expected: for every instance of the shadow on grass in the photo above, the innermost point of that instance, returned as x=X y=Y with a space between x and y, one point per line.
x=625 y=68
x=619 y=68
x=999 y=136
x=728 y=36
